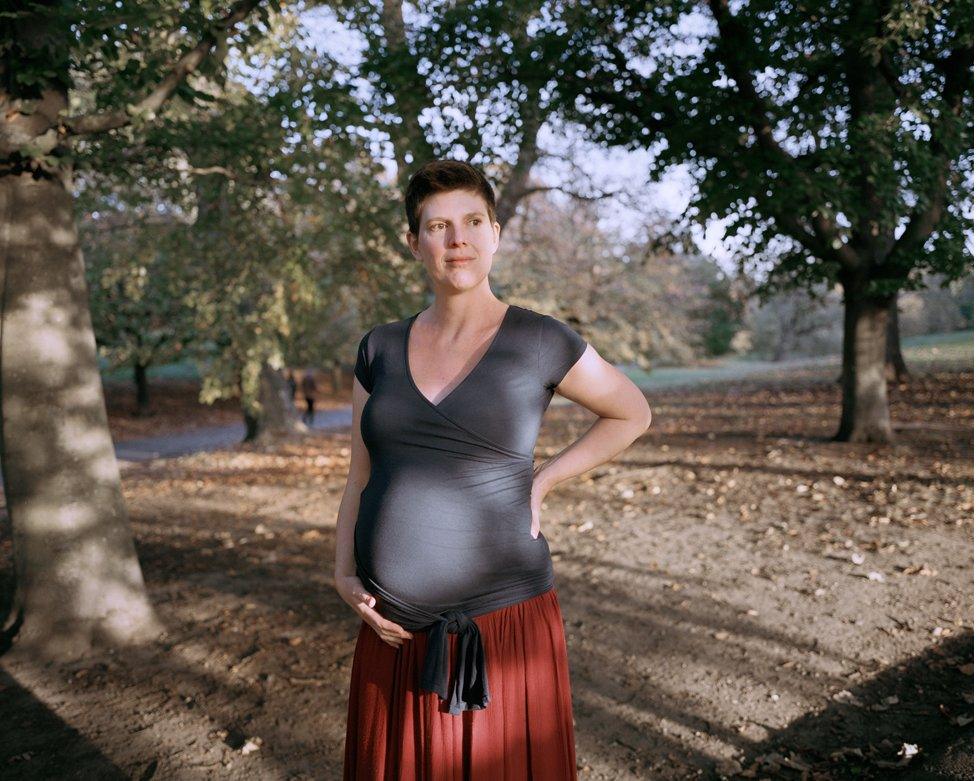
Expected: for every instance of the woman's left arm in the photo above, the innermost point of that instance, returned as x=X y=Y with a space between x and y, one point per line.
x=624 y=415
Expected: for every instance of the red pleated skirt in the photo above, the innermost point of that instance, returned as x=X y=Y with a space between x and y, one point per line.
x=395 y=732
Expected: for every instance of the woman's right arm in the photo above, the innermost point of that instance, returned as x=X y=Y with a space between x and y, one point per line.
x=345 y=580
x=359 y=465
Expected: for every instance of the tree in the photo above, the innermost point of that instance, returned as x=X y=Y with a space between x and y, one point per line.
x=78 y=581
x=637 y=301
x=272 y=207
x=467 y=80
x=835 y=138
x=895 y=367
x=136 y=287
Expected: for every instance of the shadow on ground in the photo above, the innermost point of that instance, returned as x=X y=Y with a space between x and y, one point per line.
x=37 y=744
x=918 y=703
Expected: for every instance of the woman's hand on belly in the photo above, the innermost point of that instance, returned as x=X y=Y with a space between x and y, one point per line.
x=354 y=594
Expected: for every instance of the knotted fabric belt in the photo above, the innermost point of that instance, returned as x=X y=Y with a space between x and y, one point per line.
x=469 y=689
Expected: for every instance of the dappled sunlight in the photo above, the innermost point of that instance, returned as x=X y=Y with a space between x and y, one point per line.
x=696 y=640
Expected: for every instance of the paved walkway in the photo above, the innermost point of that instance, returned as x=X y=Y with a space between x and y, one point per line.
x=211 y=438
x=200 y=440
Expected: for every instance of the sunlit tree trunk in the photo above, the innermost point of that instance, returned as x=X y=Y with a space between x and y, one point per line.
x=78 y=580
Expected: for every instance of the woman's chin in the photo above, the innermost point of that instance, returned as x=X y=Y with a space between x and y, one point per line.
x=462 y=279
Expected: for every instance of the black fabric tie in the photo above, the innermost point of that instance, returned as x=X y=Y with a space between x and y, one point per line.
x=470 y=687
x=469 y=690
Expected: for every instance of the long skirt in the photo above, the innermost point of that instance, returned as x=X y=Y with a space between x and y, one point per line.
x=395 y=732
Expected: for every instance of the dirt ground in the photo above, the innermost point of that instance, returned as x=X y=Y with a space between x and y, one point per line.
x=743 y=598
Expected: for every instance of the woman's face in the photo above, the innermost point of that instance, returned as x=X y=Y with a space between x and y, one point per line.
x=457 y=241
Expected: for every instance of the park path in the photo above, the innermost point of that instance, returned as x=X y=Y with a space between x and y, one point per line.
x=206 y=438
x=922 y=358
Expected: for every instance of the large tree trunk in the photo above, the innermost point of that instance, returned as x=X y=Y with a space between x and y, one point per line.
x=864 y=391
x=279 y=417
x=895 y=367
x=78 y=581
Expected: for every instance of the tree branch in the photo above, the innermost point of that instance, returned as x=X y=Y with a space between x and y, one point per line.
x=731 y=38
x=189 y=62
x=955 y=67
x=514 y=188
x=571 y=193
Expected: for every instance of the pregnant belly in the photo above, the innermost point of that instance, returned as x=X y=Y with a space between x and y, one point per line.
x=445 y=547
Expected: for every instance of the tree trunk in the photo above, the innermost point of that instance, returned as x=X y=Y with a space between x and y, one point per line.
x=408 y=86
x=278 y=414
x=512 y=191
x=142 y=389
x=250 y=427
x=895 y=367
x=864 y=391
x=77 y=578
x=338 y=379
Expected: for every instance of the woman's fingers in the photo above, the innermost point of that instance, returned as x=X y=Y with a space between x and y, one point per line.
x=364 y=604
x=394 y=630
x=389 y=632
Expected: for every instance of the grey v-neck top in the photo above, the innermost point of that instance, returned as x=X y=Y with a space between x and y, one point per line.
x=443 y=529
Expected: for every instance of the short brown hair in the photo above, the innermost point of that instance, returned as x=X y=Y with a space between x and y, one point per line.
x=440 y=176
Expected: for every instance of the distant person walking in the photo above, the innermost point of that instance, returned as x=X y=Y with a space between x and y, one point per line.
x=308 y=389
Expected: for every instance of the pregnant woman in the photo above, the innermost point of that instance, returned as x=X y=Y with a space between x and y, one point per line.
x=460 y=669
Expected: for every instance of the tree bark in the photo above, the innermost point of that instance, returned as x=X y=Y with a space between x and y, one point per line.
x=78 y=580
x=279 y=417
x=513 y=190
x=864 y=390
x=409 y=88
x=895 y=367
x=139 y=376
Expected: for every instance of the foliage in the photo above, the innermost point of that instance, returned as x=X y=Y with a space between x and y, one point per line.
x=638 y=302
x=135 y=281
x=828 y=136
x=278 y=227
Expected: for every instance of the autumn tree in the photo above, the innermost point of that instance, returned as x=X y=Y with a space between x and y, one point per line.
x=834 y=138
x=265 y=209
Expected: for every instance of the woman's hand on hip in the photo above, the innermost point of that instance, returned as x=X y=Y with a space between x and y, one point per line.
x=353 y=593
x=540 y=487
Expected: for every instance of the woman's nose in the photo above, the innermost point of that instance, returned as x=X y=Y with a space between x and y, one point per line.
x=457 y=236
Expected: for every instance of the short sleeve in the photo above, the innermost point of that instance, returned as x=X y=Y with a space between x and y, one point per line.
x=362 y=371
x=560 y=347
